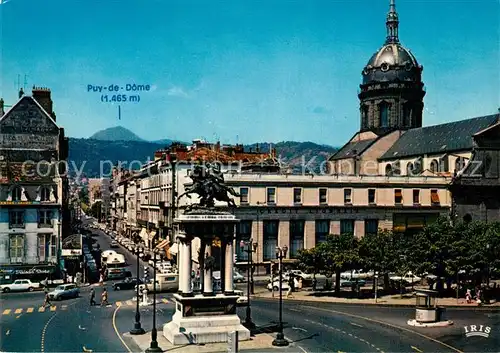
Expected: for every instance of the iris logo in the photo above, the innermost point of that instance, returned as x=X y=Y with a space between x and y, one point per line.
x=473 y=331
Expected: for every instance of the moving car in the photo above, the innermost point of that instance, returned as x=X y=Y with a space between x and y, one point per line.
x=65 y=291
x=20 y=285
x=114 y=244
x=128 y=283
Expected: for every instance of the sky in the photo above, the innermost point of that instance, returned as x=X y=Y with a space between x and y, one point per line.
x=242 y=71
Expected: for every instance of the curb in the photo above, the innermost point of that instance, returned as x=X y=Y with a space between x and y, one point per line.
x=493 y=309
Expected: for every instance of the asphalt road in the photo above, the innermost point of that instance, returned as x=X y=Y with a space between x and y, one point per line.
x=73 y=326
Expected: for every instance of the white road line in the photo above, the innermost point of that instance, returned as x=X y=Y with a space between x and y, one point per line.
x=355 y=324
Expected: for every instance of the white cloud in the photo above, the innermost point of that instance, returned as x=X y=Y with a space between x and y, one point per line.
x=178 y=92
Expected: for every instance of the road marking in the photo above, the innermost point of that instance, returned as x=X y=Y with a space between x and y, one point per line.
x=355 y=324
x=294 y=310
x=87 y=350
x=299 y=329
x=416 y=349
x=116 y=330
x=165 y=301
x=44 y=331
x=6 y=312
x=41 y=309
x=386 y=324
x=53 y=308
x=64 y=307
x=17 y=317
x=118 y=304
x=29 y=310
x=18 y=311
x=129 y=302
x=7 y=333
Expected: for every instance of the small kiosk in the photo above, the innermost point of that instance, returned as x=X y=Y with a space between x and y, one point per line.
x=427 y=313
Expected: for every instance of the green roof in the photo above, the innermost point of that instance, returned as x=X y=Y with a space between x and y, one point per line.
x=443 y=138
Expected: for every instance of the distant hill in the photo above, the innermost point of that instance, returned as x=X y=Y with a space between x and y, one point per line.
x=117 y=133
x=96 y=154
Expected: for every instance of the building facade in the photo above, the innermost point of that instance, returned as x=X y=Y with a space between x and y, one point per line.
x=33 y=188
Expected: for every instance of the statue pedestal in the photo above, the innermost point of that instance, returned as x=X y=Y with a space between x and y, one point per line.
x=204 y=319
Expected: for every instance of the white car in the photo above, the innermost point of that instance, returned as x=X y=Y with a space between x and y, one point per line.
x=409 y=278
x=20 y=285
x=299 y=273
x=276 y=285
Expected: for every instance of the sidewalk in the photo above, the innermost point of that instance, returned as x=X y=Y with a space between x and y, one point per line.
x=258 y=343
x=389 y=300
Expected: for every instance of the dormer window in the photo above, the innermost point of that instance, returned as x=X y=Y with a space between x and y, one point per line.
x=16 y=193
x=434 y=166
x=388 y=170
x=45 y=194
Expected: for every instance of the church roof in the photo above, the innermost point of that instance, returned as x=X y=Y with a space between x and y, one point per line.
x=353 y=148
x=443 y=138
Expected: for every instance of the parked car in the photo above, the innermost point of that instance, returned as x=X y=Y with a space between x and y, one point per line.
x=352 y=282
x=409 y=278
x=20 y=285
x=299 y=273
x=128 y=283
x=276 y=285
x=114 y=244
x=238 y=277
x=65 y=291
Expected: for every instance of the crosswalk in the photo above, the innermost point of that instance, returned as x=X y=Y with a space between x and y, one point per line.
x=64 y=307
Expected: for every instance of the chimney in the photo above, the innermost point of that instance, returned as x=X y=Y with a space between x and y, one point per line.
x=2 y=112
x=21 y=93
x=42 y=96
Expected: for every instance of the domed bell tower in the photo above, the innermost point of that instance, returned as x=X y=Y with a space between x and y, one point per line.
x=392 y=93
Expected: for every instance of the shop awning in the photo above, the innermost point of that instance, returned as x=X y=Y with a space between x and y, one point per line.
x=162 y=244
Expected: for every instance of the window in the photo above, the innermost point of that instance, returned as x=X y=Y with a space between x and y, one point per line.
x=371 y=196
x=271 y=195
x=407 y=115
x=322 y=230
x=44 y=218
x=243 y=195
x=297 y=195
x=45 y=194
x=384 y=114
x=434 y=166
x=409 y=169
x=41 y=247
x=16 y=193
x=435 y=197
x=270 y=238
x=347 y=226
x=16 y=219
x=459 y=164
x=388 y=170
x=398 y=196
x=371 y=226
x=416 y=197
x=53 y=245
x=16 y=248
x=243 y=232
x=296 y=237
x=323 y=195
x=347 y=195
x=364 y=116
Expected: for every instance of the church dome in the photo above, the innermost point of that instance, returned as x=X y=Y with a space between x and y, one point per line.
x=392 y=62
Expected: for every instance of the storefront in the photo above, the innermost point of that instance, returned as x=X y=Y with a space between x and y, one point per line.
x=35 y=273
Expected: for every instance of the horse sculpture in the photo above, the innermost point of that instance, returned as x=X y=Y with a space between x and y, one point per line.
x=208 y=183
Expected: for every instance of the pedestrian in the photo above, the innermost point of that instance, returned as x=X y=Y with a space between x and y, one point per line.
x=478 y=296
x=92 y=297
x=468 y=296
x=290 y=287
x=47 y=299
x=104 y=297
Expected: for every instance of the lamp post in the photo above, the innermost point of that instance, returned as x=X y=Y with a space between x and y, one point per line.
x=153 y=347
x=280 y=340
x=251 y=246
x=137 y=330
x=488 y=268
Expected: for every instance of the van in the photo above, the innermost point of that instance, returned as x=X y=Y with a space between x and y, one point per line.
x=165 y=282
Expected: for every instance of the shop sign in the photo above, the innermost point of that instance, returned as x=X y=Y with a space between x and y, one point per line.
x=19 y=202
x=28 y=271
x=295 y=210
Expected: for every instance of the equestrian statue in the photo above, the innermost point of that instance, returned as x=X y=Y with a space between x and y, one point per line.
x=208 y=183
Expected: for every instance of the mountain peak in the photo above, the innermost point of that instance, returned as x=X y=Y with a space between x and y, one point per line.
x=117 y=133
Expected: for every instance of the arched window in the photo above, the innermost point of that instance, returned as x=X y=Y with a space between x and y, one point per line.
x=409 y=169
x=384 y=114
x=407 y=112
x=16 y=193
x=364 y=116
x=45 y=194
x=434 y=166
x=388 y=170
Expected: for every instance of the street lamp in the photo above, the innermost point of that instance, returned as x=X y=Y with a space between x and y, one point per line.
x=137 y=330
x=251 y=247
x=488 y=263
x=153 y=347
x=280 y=340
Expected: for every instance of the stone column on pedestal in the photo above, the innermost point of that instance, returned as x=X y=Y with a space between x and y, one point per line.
x=185 y=281
x=208 y=288
x=228 y=267
x=201 y=262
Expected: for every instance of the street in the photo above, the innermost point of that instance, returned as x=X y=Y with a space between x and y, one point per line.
x=72 y=325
